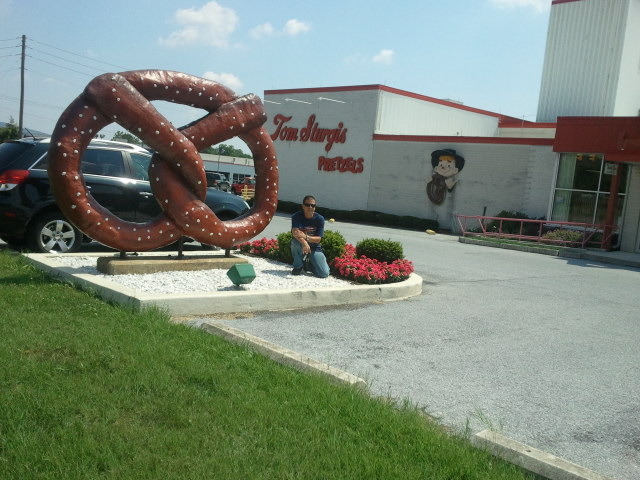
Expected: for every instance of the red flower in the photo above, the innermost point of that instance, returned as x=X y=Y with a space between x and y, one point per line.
x=360 y=270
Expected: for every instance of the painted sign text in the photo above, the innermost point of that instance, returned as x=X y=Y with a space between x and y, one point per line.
x=310 y=133
x=341 y=164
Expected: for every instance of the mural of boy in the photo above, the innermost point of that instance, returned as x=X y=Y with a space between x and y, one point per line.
x=446 y=165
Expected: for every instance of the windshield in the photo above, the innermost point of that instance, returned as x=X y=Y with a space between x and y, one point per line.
x=20 y=155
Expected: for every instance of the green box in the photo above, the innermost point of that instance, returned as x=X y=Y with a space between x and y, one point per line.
x=241 y=273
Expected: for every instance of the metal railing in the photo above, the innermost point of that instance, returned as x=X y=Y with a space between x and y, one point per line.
x=593 y=235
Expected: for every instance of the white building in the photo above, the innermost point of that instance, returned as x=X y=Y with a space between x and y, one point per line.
x=234 y=168
x=370 y=147
x=592 y=60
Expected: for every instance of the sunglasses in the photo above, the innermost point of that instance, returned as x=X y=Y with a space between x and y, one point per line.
x=310 y=205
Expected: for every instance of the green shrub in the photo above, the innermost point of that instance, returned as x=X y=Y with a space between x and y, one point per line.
x=382 y=250
x=284 y=247
x=387 y=219
x=333 y=244
x=288 y=207
x=569 y=237
x=511 y=227
x=365 y=216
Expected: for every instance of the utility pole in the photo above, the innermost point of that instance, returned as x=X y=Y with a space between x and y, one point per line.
x=20 y=124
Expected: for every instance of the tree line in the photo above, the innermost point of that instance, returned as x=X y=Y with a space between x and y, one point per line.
x=10 y=132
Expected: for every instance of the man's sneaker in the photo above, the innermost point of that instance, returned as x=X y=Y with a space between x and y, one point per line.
x=296 y=271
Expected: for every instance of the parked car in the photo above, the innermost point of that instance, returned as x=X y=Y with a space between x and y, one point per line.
x=248 y=185
x=218 y=180
x=116 y=173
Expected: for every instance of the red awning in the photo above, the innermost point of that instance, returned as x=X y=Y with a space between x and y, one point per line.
x=618 y=138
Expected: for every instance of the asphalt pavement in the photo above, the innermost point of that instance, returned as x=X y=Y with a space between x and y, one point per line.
x=543 y=349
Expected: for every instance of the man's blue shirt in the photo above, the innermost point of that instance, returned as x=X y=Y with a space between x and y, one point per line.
x=313 y=226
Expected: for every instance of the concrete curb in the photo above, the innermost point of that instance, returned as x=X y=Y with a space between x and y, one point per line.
x=229 y=301
x=532 y=459
x=283 y=355
x=509 y=246
x=612 y=258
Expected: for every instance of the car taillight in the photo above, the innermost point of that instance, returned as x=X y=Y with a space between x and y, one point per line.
x=10 y=178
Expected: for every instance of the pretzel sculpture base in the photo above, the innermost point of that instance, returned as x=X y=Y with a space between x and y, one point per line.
x=176 y=172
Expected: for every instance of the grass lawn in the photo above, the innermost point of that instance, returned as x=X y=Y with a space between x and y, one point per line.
x=94 y=390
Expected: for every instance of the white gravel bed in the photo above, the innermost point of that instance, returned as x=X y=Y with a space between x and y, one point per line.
x=270 y=275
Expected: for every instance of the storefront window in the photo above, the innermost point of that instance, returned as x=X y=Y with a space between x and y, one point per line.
x=582 y=188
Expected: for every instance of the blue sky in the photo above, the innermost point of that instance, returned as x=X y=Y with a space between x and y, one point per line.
x=487 y=54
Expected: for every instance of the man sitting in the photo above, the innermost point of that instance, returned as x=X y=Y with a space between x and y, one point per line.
x=307 y=228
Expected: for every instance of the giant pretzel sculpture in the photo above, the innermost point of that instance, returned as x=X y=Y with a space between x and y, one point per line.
x=176 y=172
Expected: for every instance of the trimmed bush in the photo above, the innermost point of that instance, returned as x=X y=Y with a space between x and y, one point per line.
x=284 y=247
x=366 y=216
x=514 y=227
x=383 y=250
x=568 y=237
x=333 y=244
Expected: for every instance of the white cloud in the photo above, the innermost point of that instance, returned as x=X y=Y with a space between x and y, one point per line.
x=226 y=79
x=294 y=27
x=264 y=30
x=537 y=5
x=210 y=25
x=291 y=28
x=384 y=56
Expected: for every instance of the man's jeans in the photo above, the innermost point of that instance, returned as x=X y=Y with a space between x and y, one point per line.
x=318 y=260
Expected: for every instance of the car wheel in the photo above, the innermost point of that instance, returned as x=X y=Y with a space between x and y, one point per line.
x=52 y=232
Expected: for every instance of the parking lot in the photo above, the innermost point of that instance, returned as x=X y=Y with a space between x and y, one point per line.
x=543 y=349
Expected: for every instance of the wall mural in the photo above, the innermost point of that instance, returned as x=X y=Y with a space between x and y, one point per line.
x=446 y=165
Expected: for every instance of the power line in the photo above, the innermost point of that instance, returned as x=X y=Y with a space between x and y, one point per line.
x=61 y=66
x=65 y=59
x=59 y=80
x=79 y=55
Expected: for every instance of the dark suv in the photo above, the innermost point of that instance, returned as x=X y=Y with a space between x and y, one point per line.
x=115 y=173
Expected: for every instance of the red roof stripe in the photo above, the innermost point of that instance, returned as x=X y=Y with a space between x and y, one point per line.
x=457 y=139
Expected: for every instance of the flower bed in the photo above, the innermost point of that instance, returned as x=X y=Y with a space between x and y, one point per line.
x=349 y=266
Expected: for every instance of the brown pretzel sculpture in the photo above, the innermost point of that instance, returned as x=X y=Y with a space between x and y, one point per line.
x=176 y=172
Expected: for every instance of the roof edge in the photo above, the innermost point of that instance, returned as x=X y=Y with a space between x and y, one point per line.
x=397 y=91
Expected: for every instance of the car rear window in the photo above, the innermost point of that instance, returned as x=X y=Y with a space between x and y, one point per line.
x=96 y=161
x=20 y=155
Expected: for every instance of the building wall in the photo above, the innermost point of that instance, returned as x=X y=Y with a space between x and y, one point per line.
x=230 y=166
x=582 y=67
x=627 y=102
x=495 y=177
x=405 y=115
x=630 y=238
x=307 y=167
